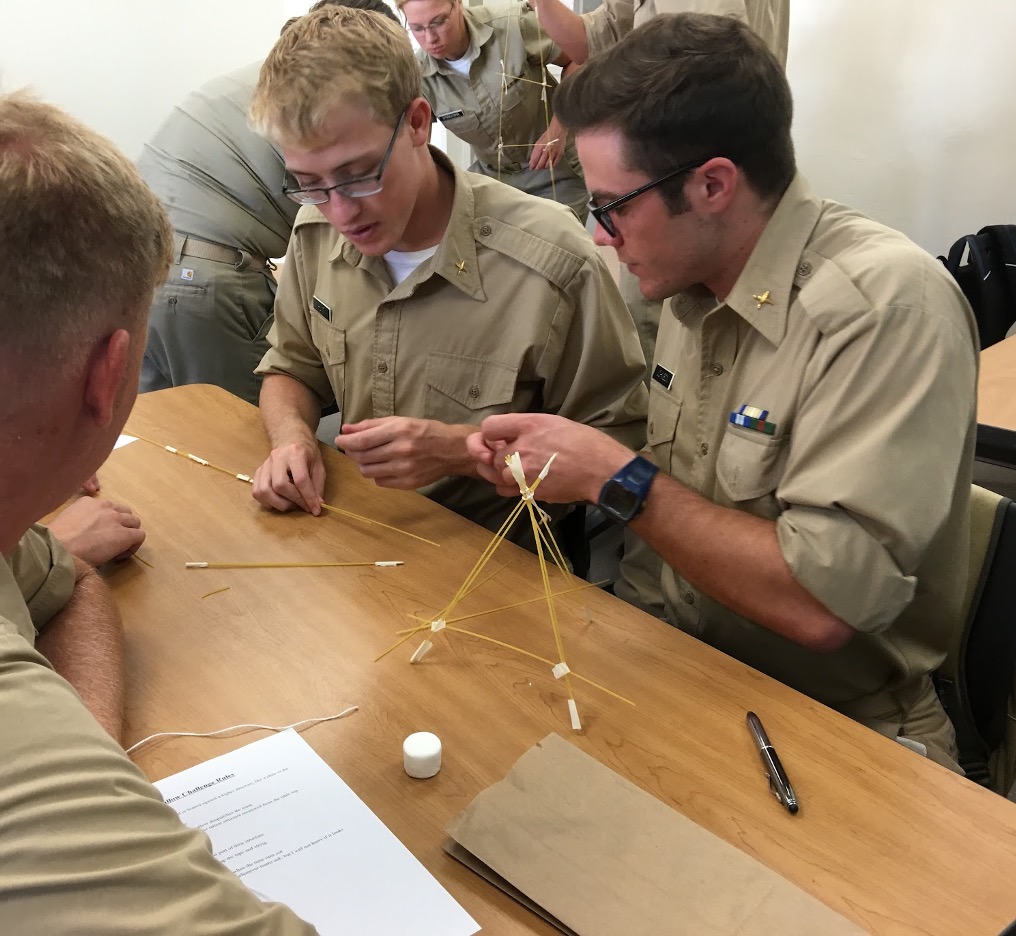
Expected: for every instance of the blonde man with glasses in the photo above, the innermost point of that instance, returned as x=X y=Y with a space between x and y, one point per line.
x=485 y=77
x=219 y=182
x=419 y=297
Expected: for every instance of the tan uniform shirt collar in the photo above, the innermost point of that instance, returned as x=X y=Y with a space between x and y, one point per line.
x=455 y=259
x=480 y=31
x=761 y=294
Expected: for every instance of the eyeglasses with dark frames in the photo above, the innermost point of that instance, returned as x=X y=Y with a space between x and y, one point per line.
x=602 y=213
x=360 y=187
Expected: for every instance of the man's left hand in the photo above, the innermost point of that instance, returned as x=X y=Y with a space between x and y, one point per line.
x=401 y=452
x=97 y=530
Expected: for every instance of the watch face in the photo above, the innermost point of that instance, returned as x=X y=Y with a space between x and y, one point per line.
x=616 y=499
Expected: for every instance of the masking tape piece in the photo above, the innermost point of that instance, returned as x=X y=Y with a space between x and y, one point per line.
x=574 y=712
x=420 y=652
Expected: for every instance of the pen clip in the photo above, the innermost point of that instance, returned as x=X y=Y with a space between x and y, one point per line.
x=774 y=788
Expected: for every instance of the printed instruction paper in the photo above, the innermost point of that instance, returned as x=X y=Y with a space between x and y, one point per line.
x=283 y=821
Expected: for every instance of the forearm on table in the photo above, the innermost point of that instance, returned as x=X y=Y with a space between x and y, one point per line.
x=84 y=644
x=290 y=410
x=713 y=547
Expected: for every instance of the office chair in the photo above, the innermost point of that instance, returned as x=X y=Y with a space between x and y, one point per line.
x=976 y=680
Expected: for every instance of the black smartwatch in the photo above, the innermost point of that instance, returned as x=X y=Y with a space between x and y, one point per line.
x=624 y=495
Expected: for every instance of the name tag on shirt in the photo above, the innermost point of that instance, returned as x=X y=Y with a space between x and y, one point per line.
x=321 y=309
x=663 y=376
x=450 y=115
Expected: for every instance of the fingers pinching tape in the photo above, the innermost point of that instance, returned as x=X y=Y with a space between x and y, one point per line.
x=421 y=755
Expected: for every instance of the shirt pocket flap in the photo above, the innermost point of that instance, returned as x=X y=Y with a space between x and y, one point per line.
x=474 y=383
x=749 y=464
x=329 y=340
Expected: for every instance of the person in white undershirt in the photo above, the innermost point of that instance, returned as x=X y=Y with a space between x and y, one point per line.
x=420 y=298
x=485 y=76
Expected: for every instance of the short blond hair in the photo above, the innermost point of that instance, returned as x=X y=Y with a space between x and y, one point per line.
x=330 y=56
x=84 y=240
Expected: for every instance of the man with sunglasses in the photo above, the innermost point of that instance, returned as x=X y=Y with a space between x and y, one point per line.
x=812 y=413
x=419 y=297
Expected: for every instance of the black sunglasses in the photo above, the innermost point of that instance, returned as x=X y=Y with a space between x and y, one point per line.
x=601 y=214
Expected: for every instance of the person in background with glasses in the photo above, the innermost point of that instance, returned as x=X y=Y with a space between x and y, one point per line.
x=485 y=77
x=419 y=297
x=812 y=411
x=219 y=182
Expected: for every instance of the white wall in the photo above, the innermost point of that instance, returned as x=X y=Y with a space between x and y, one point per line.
x=120 y=65
x=904 y=107
x=905 y=110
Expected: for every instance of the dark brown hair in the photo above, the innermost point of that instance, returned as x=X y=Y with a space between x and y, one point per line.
x=684 y=87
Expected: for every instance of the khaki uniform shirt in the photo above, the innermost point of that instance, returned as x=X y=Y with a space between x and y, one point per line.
x=37 y=582
x=218 y=179
x=769 y=19
x=516 y=312
x=854 y=357
x=483 y=111
x=88 y=847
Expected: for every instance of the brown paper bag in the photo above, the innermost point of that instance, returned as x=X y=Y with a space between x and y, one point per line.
x=606 y=858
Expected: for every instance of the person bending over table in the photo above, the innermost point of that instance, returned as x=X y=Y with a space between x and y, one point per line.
x=419 y=297
x=811 y=423
x=485 y=78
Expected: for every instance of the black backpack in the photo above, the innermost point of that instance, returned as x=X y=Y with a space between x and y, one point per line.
x=988 y=278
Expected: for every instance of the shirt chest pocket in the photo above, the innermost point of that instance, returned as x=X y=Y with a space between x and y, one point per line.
x=515 y=89
x=749 y=467
x=331 y=346
x=664 y=414
x=464 y=389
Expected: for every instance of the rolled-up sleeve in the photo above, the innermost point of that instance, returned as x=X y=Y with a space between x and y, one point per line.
x=607 y=24
x=874 y=459
x=44 y=572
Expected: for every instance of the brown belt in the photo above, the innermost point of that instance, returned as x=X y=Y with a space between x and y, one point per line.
x=239 y=259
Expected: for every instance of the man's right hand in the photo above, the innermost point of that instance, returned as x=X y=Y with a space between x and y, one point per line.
x=292 y=475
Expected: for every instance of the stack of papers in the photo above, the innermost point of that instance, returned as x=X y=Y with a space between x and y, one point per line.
x=281 y=819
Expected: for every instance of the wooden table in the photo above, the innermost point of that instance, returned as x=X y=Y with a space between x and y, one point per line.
x=996 y=403
x=885 y=837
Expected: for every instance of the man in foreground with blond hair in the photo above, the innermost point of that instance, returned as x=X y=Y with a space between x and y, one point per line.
x=419 y=297
x=88 y=847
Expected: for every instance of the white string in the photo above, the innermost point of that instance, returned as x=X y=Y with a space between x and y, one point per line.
x=212 y=734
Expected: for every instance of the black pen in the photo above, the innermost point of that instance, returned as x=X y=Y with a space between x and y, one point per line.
x=778 y=782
